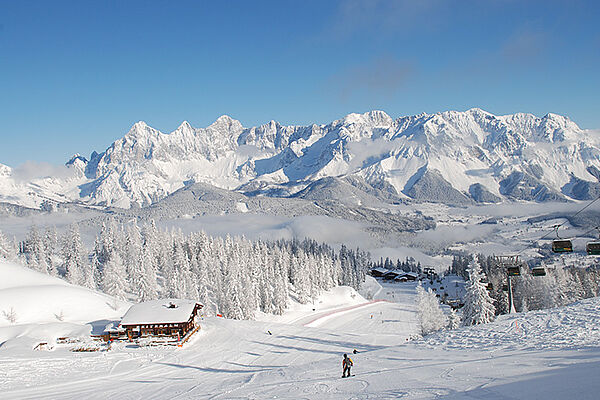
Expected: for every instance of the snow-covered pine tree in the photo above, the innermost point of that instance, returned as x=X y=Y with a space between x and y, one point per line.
x=97 y=269
x=35 y=251
x=280 y=281
x=132 y=255
x=453 y=319
x=299 y=276
x=104 y=244
x=430 y=315
x=266 y=279
x=142 y=276
x=479 y=306
x=51 y=246
x=7 y=251
x=178 y=278
x=113 y=277
x=325 y=268
x=347 y=277
x=204 y=282
x=74 y=257
x=251 y=270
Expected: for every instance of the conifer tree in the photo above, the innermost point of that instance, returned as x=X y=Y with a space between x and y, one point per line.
x=113 y=277
x=6 y=249
x=143 y=277
x=479 y=306
x=431 y=317
x=74 y=257
x=35 y=251
x=51 y=246
x=132 y=253
x=453 y=319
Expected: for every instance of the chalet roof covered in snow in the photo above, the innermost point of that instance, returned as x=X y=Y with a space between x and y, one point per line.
x=164 y=311
x=113 y=326
x=410 y=274
x=380 y=270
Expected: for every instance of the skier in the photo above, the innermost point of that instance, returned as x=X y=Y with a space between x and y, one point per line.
x=346 y=364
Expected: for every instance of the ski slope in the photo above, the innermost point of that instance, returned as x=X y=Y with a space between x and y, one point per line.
x=551 y=354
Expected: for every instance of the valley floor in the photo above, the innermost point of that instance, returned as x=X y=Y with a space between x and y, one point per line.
x=552 y=354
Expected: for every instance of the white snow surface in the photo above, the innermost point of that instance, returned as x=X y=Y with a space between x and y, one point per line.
x=41 y=299
x=167 y=311
x=550 y=354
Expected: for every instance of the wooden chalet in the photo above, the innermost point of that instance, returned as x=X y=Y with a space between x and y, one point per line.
x=406 y=277
x=161 y=318
x=390 y=275
x=378 y=272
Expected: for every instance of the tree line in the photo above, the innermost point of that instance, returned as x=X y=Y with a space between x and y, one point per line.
x=560 y=286
x=231 y=276
x=478 y=304
x=409 y=265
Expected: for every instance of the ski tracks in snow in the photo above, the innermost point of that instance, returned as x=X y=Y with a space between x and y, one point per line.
x=322 y=318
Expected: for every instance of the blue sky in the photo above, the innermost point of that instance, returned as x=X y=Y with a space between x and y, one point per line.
x=74 y=76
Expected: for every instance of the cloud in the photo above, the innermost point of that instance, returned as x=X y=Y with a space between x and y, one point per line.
x=34 y=170
x=524 y=46
x=445 y=235
x=522 y=210
x=382 y=76
x=367 y=152
x=383 y=17
x=333 y=231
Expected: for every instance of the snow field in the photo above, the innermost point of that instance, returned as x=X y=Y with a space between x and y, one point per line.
x=550 y=354
x=239 y=359
x=41 y=299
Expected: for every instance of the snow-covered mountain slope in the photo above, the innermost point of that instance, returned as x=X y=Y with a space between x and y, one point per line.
x=37 y=298
x=550 y=354
x=32 y=186
x=201 y=199
x=450 y=157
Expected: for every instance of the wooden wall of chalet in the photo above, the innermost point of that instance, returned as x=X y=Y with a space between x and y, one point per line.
x=160 y=329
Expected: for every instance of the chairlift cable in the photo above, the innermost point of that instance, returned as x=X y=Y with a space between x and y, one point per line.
x=555 y=227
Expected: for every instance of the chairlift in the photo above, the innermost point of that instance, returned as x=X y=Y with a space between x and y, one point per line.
x=490 y=287
x=513 y=270
x=561 y=245
x=593 y=248
x=538 y=271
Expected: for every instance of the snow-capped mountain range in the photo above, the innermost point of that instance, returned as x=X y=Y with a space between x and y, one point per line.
x=450 y=157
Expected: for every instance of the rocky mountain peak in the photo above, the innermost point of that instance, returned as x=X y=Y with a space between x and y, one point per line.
x=226 y=123
x=5 y=170
x=453 y=156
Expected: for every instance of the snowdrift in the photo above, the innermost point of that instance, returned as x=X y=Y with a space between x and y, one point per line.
x=48 y=307
x=570 y=327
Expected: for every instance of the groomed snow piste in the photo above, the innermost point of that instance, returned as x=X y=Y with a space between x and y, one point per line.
x=551 y=354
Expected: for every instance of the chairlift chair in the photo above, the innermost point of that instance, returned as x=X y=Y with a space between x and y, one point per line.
x=505 y=287
x=513 y=271
x=538 y=271
x=593 y=248
x=490 y=287
x=561 y=245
